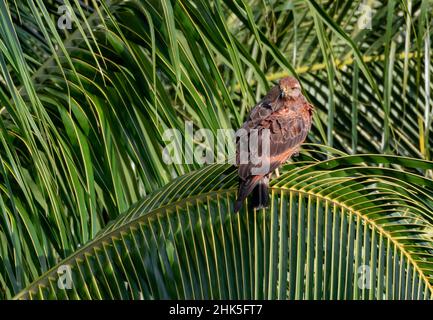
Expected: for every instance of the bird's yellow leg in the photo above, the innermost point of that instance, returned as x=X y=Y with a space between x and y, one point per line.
x=277 y=173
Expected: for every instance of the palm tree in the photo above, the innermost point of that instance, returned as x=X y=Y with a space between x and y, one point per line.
x=90 y=210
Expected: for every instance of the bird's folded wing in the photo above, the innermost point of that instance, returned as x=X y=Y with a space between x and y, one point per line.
x=286 y=134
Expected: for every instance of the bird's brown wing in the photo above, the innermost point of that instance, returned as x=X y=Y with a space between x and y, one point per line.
x=260 y=112
x=288 y=129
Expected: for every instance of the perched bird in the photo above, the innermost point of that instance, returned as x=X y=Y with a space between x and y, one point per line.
x=286 y=116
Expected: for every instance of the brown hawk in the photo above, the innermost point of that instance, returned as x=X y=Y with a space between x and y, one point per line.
x=279 y=123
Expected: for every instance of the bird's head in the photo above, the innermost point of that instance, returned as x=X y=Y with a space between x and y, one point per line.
x=290 y=88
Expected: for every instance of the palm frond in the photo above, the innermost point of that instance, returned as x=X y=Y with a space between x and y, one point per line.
x=83 y=112
x=343 y=228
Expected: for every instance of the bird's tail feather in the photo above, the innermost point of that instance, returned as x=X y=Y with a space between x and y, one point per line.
x=260 y=196
x=259 y=186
